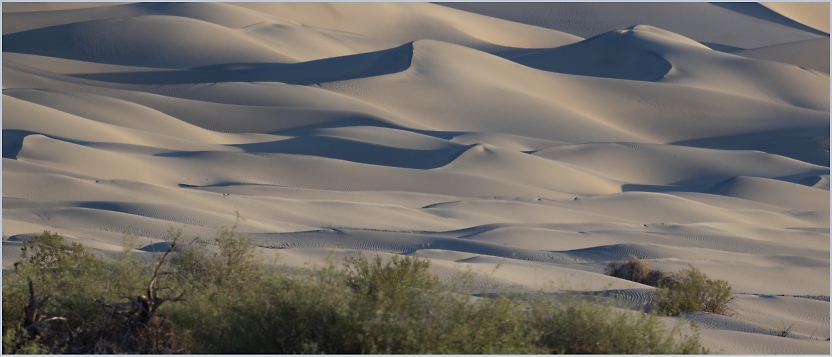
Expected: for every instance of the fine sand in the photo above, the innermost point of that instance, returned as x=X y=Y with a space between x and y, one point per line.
x=542 y=140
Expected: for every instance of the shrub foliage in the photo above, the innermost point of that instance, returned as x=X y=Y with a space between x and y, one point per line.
x=685 y=291
x=692 y=290
x=639 y=271
x=219 y=297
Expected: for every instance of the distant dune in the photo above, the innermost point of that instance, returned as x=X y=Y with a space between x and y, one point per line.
x=545 y=139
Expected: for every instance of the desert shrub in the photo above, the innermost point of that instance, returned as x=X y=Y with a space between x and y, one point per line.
x=228 y=301
x=237 y=305
x=433 y=318
x=692 y=290
x=233 y=265
x=634 y=269
x=572 y=324
x=69 y=307
x=391 y=281
x=64 y=278
x=639 y=271
x=49 y=253
x=309 y=312
x=367 y=306
x=685 y=291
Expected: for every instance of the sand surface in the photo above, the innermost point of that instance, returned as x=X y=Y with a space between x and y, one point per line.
x=545 y=139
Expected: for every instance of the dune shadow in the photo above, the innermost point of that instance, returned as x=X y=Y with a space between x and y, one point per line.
x=809 y=145
x=359 y=152
x=158 y=247
x=722 y=48
x=607 y=56
x=325 y=70
x=13 y=142
x=761 y=12
x=607 y=253
x=631 y=187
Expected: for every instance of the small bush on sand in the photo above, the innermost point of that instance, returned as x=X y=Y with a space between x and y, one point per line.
x=685 y=291
x=637 y=270
x=692 y=290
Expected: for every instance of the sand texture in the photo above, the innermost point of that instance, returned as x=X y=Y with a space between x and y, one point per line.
x=544 y=138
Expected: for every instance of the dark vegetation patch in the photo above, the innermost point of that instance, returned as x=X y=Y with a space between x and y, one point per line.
x=221 y=298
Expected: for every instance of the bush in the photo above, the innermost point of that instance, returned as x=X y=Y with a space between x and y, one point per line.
x=391 y=281
x=232 y=266
x=232 y=303
x=409 y=312
x=68 y=311
x=692 y=290
x=571 y=325
x=638 y=271
x=64 y=278
x=685 y=291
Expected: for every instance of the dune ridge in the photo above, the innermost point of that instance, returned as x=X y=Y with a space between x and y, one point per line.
x=544 y=138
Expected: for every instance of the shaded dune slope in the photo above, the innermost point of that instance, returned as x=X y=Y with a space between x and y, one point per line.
x=729 y=26
x=318 y=71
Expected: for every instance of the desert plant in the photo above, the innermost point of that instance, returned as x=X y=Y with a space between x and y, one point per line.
x=66 y=276
x=390 y=280
x=637 y=270
x=48 y=253
x=633 y=270
x=134 y=325
x=574 y=324
x=784 y=331
x=232 y=264
x=229 y=302
x=73 y=315
x=692 y=290
x=444 y=318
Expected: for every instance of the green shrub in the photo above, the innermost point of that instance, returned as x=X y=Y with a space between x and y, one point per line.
x=77 y=302
x=391 y=281
x=692 y=290
x=589 y=325
x=445 y=319
x=232 y=266
x=685 y=291
x=233 y=303
x=67 y=276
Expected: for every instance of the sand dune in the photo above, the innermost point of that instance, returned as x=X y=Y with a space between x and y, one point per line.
x=770 y=191
x=399 y=23
x=544 y=138
x=729 y=25
x=809 y=14
x=640 y=163
x=810 y=54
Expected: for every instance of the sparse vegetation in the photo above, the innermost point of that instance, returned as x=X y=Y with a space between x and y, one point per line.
x=221 y=298
x=785 y=331
x=684 y=291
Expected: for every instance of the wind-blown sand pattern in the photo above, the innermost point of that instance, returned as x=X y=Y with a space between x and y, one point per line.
x=547 y=139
